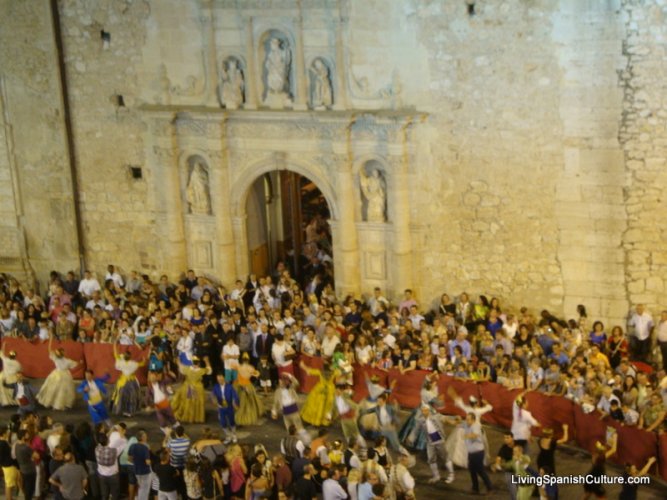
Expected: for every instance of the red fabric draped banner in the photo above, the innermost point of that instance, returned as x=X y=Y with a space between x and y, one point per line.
x=34 y=356
x=307 y=382
x=407 y=387
x=359 y=379
x=551 y=411
x=463 y=388
x=502 y=400
x=99 y=358
x=662 y=456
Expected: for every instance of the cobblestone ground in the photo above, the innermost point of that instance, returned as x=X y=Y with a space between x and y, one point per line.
x=268 y=432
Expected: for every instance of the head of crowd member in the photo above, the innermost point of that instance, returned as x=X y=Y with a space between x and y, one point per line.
x=127 y=355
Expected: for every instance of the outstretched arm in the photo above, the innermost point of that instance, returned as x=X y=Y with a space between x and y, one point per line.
x=646 y=467
x=564 y=439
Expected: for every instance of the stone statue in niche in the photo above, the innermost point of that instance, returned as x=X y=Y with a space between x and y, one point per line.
x=231 y=85
x=374 y=190
x=277 y=65
x=197 y=192
x=322 y=95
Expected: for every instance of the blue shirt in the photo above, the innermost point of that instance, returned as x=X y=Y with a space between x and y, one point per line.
x=179 y=451
x=465 y=347
x=365 y=492
x=476 y=444
x=140 y=454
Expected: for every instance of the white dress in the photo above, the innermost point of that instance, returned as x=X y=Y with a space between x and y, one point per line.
x=456 y=443
x=10 y=367
x=57 y=392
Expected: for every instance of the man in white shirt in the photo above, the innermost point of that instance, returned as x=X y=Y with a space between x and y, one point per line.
x=230 y=357
x=95 y=300
x=376 y=301
x=640 y=327
x=329 y=342
x=114 y=276
x=415 y=318
x=88 y=285
x=662 y=338
x=400 y=477
x=331 y=488
x=388 y=339
x=280 y=353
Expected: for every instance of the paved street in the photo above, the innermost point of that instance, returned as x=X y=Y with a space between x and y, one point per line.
x=269 y=433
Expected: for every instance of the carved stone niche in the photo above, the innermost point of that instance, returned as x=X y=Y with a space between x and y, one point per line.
x=231 y=82
x=276 y=56
x=321 y=84
x=197 y=192
x=373 y=191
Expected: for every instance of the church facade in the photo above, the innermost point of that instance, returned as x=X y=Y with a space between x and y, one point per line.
x=501 y=147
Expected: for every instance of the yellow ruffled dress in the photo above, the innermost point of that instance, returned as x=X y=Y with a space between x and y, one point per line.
x=189 y=400
x=319 y=403
x=57 y=391
x=250 y=406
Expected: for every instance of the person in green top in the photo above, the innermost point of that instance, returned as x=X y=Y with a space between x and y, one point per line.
x=518 y=466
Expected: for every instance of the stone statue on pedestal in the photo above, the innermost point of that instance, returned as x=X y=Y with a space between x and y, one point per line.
x=231 y=85
x=197 y=193
x=373 y=188
x=277 y=65
x=322 y=95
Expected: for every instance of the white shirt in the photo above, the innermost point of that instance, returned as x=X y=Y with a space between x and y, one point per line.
x=116 y=278
x=286 y=398
x=404 y=478
x=662 y=331
x=642 y=325
x=385 y=418
x=389 y=340
x=158 y=394
x=126 y=367
x=332 y=490
x=185 y=345
x=278 y=354
x=342 y=405
x=522 y=421
x=231 y=350
x=88 y=286
x=94 y=395
x=328 y=345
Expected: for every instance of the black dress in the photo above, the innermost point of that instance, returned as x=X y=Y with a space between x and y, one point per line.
x=547 y=457
x=598 y=472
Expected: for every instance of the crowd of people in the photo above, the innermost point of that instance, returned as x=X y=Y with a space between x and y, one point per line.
x=240 y=348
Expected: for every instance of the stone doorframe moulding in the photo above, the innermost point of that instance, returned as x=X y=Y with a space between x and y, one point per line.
x=329 y=148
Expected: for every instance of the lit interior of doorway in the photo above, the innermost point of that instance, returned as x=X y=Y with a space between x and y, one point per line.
x=288 y=222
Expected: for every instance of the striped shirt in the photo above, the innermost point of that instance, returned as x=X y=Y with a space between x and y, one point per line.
x=179 y=451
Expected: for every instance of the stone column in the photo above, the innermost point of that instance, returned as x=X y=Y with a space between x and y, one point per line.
x=301 y=97
x=208 y=20
x=347 y=251
x=241 y=239
x=340 y=95
x=251 y=81
x=222 y=209
x=401 y=211
x=169 y=194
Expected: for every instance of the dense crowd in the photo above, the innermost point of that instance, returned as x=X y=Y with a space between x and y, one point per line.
x=233 y=341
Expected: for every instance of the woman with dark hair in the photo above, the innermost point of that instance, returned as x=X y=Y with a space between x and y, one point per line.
x=598 y=470
x=598 y=336
x=617 y=347
x=447 y=306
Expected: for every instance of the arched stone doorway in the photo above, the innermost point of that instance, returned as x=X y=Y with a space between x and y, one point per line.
x=249 y=199
x=288 y=222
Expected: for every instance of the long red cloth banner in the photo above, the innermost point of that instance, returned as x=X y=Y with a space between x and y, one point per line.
x=34 y=356
x=635 y=446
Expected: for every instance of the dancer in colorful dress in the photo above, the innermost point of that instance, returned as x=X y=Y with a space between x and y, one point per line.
x=189 y=400
x=285 y=401
x=57 y=391
x=250 y=406
x=93 y=391
x=10 y=367
x=127 y=394
x=157 y=397
x=320 y=401
x=411 y=434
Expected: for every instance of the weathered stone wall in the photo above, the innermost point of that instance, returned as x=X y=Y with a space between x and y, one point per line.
x=118 y=211
x=644 y=138
x=35 y=183
x=538 y=176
